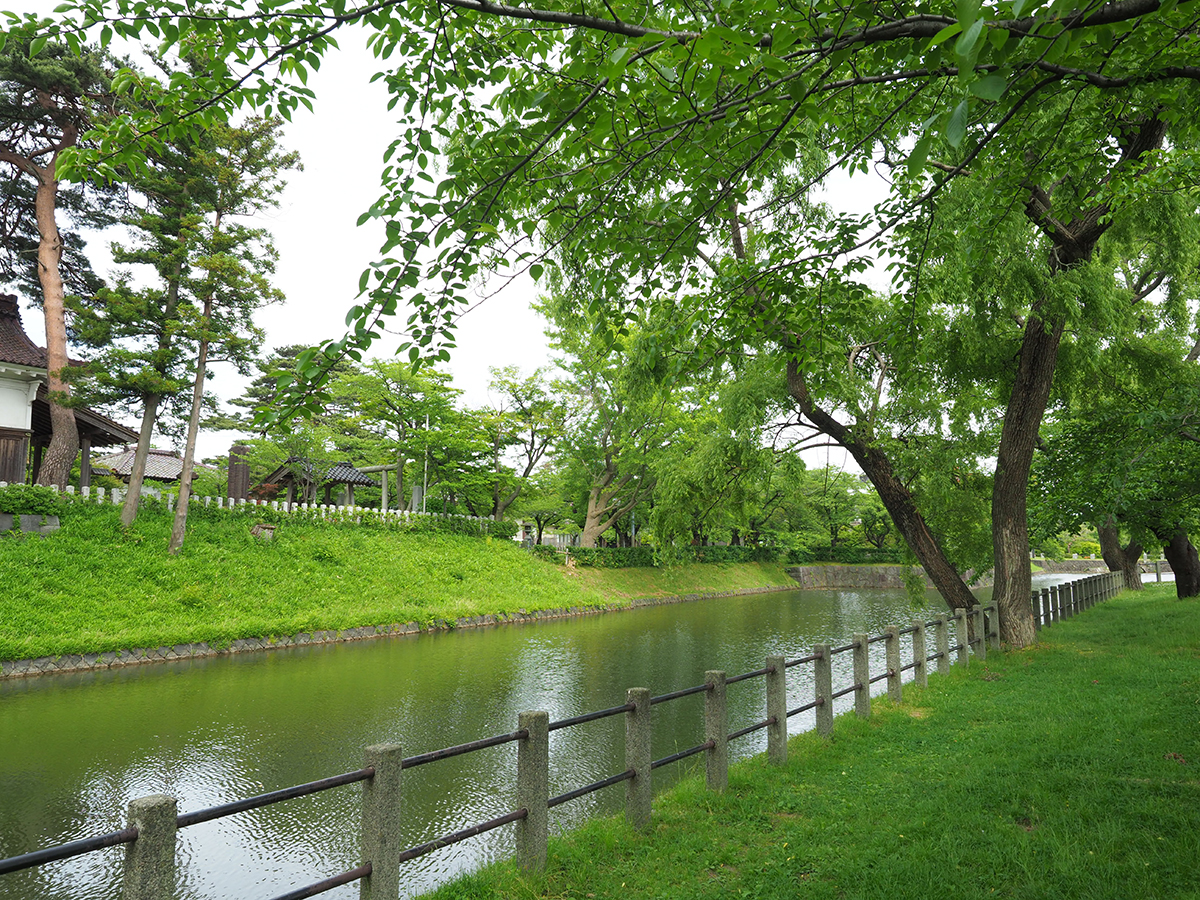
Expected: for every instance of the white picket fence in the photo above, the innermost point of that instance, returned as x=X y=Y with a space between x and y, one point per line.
x=116 y=497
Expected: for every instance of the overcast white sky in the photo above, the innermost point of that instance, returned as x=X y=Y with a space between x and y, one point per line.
x=323 y=252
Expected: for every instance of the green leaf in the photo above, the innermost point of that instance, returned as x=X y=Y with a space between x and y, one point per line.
x=991 y=87
x=956 y=128
x=535 y=271
x=944 y=35
x=966 y=44
x=36 y=45
x=920 y=152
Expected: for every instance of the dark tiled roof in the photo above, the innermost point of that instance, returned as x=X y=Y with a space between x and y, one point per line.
x=161 y=465
x=15 y=345
x=339 y=473
x=344 y=473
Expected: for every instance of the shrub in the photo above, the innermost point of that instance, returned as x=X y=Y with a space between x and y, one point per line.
x=1053 y=549
x=633 y=557
x=613 y=557
x=859 y=555
x=29 y=500
x=546 y=552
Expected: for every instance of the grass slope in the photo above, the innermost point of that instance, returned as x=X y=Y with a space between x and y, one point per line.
x=93 y=587
x=1066 y=770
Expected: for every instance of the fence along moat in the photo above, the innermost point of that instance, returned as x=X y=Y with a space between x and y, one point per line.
x=154 y=822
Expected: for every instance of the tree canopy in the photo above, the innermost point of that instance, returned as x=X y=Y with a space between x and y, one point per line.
x=644 y=157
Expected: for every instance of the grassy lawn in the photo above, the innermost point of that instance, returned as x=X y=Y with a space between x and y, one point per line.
x=93 y=587
x=1071 y=769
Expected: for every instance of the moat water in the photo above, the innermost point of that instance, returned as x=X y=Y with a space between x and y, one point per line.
x=75 y=749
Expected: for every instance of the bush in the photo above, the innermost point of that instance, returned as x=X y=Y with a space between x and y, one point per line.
x=1087 y=548
x=546 y=552
x=1053 y=549
x=859 y=555
x=633 y=557
x=613 y=557
x=29 y=500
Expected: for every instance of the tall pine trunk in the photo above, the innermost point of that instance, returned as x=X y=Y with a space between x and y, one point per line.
x=189 y=453
x=64 y=439
x=137 y=476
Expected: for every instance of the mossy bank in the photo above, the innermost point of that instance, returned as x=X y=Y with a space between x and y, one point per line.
x=94 y=588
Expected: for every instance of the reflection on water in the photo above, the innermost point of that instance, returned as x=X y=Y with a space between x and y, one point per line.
x=75 y=749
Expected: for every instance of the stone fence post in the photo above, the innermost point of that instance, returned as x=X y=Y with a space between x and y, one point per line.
x=862 y=677
x=941 y=637
x=150 y=860
x=891 y=647
x=920 y=663
x=533 y=789
x=716 y=729
x=980 y=632
x=777 y=710
x=638 y=790
x=823 y=679
x=964 y=639
x=994 y=624
x=380 y=834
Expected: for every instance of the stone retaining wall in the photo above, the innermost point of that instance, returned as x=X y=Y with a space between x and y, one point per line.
x=83 y=662
x=839 y=577
x=28 y=524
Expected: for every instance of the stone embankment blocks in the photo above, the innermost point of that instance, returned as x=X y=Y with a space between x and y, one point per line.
x=28 y=524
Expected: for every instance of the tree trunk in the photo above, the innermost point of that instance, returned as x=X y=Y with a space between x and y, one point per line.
x=400 y=461
x=500 y=504
x=1121 y=559
x=189 y=451
x=594 y=523
x=897 y=499
x=602 y=512
x=64 y=439
x=1185 y=563
x=150 y=413
x=133 y=497
x=1010 y=524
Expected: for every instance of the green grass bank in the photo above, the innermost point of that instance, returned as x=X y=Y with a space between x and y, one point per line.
x=1071 y=769
x=94 y=587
